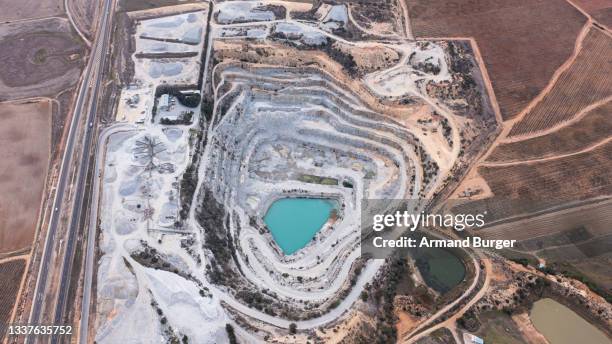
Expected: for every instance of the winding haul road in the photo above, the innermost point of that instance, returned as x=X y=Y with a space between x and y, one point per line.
x=83 y=120
x=91 y=81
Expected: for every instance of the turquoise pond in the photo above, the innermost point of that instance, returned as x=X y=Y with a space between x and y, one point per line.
x=295 y=221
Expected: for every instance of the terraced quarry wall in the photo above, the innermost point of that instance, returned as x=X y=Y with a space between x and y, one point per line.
x=277 y=125
x=291 y=110
x=286 y=112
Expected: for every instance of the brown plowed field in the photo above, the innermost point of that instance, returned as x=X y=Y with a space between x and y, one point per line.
x=522 y=42
x=25 y=130
x=39 y=58
x=600 y=10
x=35 y=57
x=585 y=82
x=594 y=127
x=10 y=281
x=25 y=9
x=556 y=181
x=594 y=218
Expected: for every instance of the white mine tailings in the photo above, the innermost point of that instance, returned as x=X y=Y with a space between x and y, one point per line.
x=175 y=266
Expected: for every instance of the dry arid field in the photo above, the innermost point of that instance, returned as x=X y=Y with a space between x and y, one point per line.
x=562 y=149
x=25 y=130
x=522 y=42
x=84 y=14
x=548 y=175
x=42 y=57
x=29 y=9
x=575 y=239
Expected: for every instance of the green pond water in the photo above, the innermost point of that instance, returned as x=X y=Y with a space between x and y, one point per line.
x=441 y=269
x=295 y=221
x=561 y=325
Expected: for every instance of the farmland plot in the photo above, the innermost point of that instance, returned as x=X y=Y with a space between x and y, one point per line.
x=522 y=42
x=579 y=224
x=39 y=58
x=591 y=129
x=600 y=10
x=10 y=275
x=25 y=130
x=555 y=181
x=29 y=9
x=585 y=82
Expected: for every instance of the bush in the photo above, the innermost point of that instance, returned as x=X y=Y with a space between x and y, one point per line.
x=345 y=59
x=191 y=99
x=184 y=118
x=522 y=261
x=230 y=333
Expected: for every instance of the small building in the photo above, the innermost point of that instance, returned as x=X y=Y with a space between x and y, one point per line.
x=476 y=340
x=164 y=102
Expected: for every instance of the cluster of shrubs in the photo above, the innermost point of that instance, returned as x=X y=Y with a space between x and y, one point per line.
x=345 y=59
x=185 y=118
x=381 y=294
x=191 y=99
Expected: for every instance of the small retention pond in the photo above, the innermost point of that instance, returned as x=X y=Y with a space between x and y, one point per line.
x=560 y=325
x=295 y=221
x=441 y=269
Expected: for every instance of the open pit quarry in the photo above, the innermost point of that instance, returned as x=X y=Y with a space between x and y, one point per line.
x=285 y=108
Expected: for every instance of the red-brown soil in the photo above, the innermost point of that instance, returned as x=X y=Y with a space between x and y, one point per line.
x=585 y=82
x=11 y=273
x=25 y=130
x=30 y=9
x=600 y=10
x=595 y=126
x=522 y=42
x=555 y=181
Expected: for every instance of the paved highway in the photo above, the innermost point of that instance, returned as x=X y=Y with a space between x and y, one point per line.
x=86 y=105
